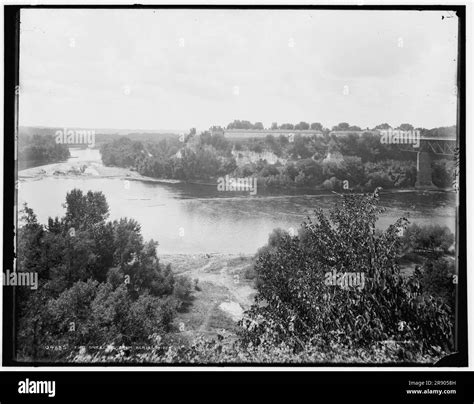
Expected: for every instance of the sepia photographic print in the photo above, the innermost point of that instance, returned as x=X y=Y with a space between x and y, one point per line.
x=237 y=186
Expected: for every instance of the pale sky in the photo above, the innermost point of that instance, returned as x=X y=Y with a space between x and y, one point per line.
x=177 y=69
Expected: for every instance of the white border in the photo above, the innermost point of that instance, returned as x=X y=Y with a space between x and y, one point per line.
x=469 y=190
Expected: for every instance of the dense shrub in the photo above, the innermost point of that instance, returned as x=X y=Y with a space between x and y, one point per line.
x=438 y=278
x=429 y=241
x=99 y=282
x=443 y=173
x=295 y=304
x=224 y=350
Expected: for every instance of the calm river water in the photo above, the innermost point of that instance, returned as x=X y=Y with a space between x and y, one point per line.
x=186 y=218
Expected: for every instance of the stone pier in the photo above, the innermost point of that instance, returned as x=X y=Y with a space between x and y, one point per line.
x=423 y=171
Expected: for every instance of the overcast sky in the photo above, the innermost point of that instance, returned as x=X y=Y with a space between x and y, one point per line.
x=177 y=69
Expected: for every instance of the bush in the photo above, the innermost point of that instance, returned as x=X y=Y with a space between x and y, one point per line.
x=429 y=241
x=103 y=284
x=182 y=288
x=332 y=184
x=443 y=173
x=222 y=350
x=437 y=279
x=295 y=304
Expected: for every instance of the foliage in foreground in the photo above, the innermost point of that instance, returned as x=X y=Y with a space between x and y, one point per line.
x=297 y=316
x=296 y=305
x=99 y=282
x=221 y=350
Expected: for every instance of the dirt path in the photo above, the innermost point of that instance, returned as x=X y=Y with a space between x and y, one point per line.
x=232 y=279
x=223 y=291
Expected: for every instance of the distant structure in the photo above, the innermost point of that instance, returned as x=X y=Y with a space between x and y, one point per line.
x=353 y=132
x=240 y=134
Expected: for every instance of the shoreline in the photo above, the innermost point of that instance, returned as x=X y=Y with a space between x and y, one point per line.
x=86 y=169
x=94 y=169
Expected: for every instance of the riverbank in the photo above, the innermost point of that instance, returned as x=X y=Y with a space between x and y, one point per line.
x=95 y=169
x=84 y=169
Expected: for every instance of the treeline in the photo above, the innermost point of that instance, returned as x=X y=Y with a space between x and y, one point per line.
x=35 y=150
x=199 y=157
x=298 y=317
x=361 y=163
x=342 y=126
x=100 y=283
x=349 y=173
x=358 y=162
x=237 y=124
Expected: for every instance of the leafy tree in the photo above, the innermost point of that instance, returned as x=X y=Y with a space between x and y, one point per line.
x=316 y=126
x=302 y=126
x=430 y=240
x=29 y=247
x=85 y=211
x=98 y=283
x=383 y=126
x=443 y=173
x=299 y=149
x=341 y=126
x=406 y=126
x=295 y=304
x=40 y=149
x=436 y=279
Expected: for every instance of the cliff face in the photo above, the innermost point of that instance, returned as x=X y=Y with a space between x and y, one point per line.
x=243 y=157
x=334 y=157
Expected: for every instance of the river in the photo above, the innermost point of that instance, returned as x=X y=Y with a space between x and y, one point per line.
x=189 y=218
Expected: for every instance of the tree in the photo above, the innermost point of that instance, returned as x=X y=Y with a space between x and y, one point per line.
x=383 y=126
x=316 y=126
x=40 y=149
x=430 y=239
x=98 y=282
x=405 y=127
x=85 y=211
x=299 y=148
x=302 y=126
x=341 y=126
x=274 y=125
x=297 y=301
x=29 y=246
x=436 y=279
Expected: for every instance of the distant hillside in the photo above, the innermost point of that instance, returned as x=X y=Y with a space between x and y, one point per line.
x=445 y=131
x=102 y=135
x=36 y=150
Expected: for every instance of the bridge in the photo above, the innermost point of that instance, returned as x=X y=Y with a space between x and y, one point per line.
x=445 y=146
